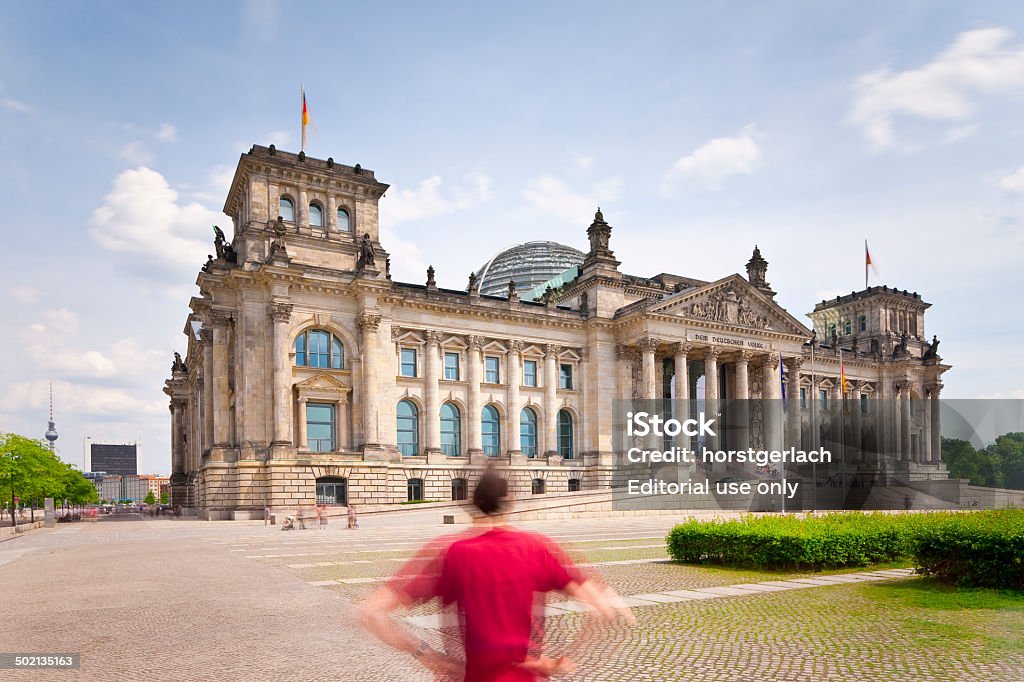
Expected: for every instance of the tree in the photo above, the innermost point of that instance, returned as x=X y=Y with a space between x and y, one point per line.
x=164 y=497
x=30 y=471
x=150 y=498
x=963 y=460
x=1009 y=451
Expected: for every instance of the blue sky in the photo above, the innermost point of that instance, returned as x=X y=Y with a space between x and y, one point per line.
x=700 y=129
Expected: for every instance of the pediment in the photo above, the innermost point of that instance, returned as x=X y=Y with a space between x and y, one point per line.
x=322 y=382
x=731 y=301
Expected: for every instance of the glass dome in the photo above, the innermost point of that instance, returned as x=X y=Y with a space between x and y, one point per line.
x=528 y=265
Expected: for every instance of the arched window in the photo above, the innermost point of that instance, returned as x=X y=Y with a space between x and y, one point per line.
x=451 y=430
x=343 y=221
x=460 y=489
x=331 y=490
x=491 y=431
x=565 y=444
x=408 y=428
x=319 y=348
x=414 y=489
x=286 y=209
x=537 y=487
x=848 y=327
x=316 y=215
x=574 y=485
x=528 y=432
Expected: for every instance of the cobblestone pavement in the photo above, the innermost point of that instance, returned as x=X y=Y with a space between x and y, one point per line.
x=190 y=600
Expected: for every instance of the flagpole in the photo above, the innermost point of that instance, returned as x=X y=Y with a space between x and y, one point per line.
x=865 y=264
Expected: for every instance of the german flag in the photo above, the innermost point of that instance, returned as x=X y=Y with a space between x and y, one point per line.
x=305 y=117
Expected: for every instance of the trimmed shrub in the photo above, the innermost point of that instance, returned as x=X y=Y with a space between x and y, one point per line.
x=982 y=549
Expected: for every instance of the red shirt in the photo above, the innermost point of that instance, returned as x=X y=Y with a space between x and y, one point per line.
x=494 y=578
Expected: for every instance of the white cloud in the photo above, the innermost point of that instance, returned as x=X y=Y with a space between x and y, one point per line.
x=552 y=196
x=279 y=138
x=428 y=201
x=136 y=153
x=15 y=105
x=1014 y=182
x=584 y=162
x=717 y=159
x=142 y=218
x=959 y=132
x=941 y=90
x=59 y=321
x=167 y=133
x=24 y=294
x=82 y=400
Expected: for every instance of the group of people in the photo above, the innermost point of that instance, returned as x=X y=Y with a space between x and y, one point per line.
x=319 y=514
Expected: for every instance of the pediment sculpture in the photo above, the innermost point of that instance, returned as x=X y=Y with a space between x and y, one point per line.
x=728 y=307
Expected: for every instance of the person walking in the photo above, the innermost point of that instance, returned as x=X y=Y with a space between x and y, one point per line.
x=352 y=521
x=496 y=577
x=266 y=515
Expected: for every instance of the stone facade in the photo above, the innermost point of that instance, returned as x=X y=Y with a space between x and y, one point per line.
x=301 y=348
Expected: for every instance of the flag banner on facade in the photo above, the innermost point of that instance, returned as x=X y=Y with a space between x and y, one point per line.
x=868 y=263
x=842 y=372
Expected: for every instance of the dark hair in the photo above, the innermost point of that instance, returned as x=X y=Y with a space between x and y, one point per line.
x=490 y=491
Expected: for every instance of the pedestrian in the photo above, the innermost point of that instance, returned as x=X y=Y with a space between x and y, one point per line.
x=301 y=517
x=495 y=576
x=266 y=515
x=323 y=516
x=352 y=522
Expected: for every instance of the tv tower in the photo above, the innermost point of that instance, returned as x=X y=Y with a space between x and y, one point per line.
x=51 y=431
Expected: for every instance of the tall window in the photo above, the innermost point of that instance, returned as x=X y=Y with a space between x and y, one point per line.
x=565 y=376
x=414 y=489
x=862 y=323
x=451 y=366
x=491 y=431
x=823 y=399
x=318 y=348
x=286 y=209
x=530 y=373
x=848 y=327
x=344 y=225
x=574 y=485
x=803 y=398
x=537 y=488
x=491 y=370
x=316 y=215
x=330 y=490
x=408 y=362
x=408 y=428
x=863 y=403
x=528 y=432
x=320 y=427
x=451 y=430
x=460 y=489
x=565 y=435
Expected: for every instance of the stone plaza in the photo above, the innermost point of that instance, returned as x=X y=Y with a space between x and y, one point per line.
x=194 y=600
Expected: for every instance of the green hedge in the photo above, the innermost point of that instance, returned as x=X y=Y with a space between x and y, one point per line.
x=787 y=542
x=984 y=549
x=979 y=549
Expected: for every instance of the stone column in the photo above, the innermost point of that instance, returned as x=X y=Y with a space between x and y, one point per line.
x=905 y=454
x=177 y=442
x=514 y=376
x=302 y=211
x=431 y=394
x=369 y=323
x=331 y=219
x=280 y=314
x=936 y=422
x=711 y=396
x=221 y=411
x=773 y=403
x=206 y=336
x=926 y=428
x=624 y=362
x=854 y=438
x=341 y=441
x=551 y=399
x=681 y=382
x=648 y=388
x=793 y=366
x=476 y=407
x=303 y=440
x=740 y=405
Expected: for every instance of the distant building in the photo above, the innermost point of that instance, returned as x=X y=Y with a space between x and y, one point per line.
x=131 y=487
x=121 y=459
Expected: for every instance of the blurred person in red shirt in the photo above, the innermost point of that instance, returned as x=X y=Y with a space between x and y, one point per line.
x=496 y=578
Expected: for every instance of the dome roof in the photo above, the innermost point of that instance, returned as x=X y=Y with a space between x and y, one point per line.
x=528 y=265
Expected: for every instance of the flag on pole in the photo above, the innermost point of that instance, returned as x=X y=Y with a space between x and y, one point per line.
x=868 y=264
x=842 y=372
x=305 y=118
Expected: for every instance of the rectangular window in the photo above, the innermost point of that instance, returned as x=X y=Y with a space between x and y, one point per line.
x=320 y=427
x=863 y=403
x=803 y=398
x=491 y=370
x=530 y=373
x=451 y=366
x=823 y=399
x=565 y=376
x=408 y=362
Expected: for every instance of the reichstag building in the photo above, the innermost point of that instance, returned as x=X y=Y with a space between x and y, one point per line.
x=311 y=376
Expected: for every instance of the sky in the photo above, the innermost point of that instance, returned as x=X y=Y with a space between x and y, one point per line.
x=700 y=129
